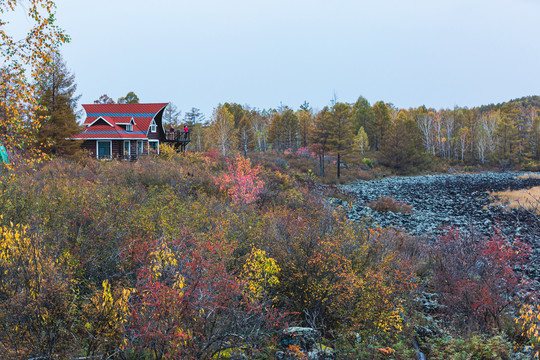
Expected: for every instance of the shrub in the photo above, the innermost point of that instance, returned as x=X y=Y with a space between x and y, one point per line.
x=476 y=277
x=388 y=203
x=242 y=181
x=368 y=162
x=475 y=348
x=281 y=163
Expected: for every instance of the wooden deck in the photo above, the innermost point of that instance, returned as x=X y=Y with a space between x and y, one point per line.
x=179 y=139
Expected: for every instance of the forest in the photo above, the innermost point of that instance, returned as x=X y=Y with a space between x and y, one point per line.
x=235 y=248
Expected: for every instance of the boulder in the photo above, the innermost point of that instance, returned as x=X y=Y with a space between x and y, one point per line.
x=305 y=340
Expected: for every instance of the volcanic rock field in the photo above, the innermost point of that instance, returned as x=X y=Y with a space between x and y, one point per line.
x=441 y=201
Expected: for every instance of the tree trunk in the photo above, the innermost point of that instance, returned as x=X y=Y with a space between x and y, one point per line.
x=321 y=162
x=338 y=165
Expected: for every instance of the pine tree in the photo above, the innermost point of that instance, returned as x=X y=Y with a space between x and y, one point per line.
x=56 y=92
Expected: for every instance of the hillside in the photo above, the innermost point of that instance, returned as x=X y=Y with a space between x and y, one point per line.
x=200 y=256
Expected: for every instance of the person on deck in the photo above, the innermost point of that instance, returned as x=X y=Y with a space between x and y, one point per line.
x=186 y=132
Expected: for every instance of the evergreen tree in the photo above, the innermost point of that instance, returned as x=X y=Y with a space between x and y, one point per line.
x=363 y=116
x=194 y=116
x=56 y=93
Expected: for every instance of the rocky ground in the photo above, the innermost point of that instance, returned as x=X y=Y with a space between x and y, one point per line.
x=440 y=201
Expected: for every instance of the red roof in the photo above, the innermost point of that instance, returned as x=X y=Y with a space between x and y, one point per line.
x=114 y=114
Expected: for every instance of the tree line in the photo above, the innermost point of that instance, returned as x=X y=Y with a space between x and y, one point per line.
x=505 y=134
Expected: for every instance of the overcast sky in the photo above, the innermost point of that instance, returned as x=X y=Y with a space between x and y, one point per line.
x=199 y=53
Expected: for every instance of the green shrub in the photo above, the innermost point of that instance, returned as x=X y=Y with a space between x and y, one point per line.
x=368 y=162
x=476 y=347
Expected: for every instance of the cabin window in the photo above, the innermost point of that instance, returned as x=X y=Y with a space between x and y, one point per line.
x=104 y=149
x=129 y=127
x=153 y=128
x=127 y=148
x=154 y=146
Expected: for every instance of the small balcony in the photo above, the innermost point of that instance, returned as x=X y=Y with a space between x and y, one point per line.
x=179 y=139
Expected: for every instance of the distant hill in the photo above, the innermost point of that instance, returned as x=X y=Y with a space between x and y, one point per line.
x=532 y=100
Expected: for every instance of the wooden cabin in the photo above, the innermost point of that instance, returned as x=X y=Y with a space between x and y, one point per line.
x=127 y=130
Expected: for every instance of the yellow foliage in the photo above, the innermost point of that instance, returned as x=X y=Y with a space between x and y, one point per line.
x=18 y=98
x=18 y=252
x=259 y=273
x=529 y=319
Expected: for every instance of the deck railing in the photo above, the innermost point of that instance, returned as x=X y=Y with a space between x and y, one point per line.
x=178 y=136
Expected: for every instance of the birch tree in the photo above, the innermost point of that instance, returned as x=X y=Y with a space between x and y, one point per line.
x=222 y=131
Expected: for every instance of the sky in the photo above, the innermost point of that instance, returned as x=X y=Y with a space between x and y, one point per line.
x=438 y=53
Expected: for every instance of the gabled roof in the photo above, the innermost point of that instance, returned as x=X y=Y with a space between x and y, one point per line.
x=114 y=114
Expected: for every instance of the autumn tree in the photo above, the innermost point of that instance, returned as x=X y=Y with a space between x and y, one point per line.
x=382 y=123
x=360 y=141
x=246 y=136
x=340 y=131
x=283 y=132
x=261 y=121
x=222 y=132
x=22 y=61
x=305 y=123
x=486 y=141
x=402 y=144
x=104 y=99
x=195 y=120
x=363 y=116
x=320 y=135
x=130 y=98
x=57 y=99
x=425 y=121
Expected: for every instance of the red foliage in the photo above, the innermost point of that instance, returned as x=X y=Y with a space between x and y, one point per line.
x=185 y=306
x=476 y=277
x=242 y=181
